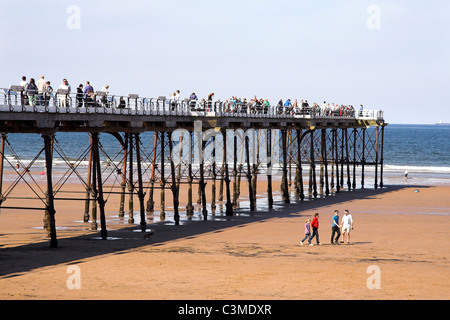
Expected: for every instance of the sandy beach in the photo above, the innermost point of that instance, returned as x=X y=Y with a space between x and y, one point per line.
x=401 y=232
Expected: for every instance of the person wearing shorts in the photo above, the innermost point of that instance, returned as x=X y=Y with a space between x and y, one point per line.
x=347 y=226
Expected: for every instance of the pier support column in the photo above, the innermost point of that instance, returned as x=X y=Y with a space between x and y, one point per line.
x=313 y=166
x=50 y=199
x=376 y=157
x=229 y=205
x=88 y=187
x=255 y=170
x=382 y=155
x=363 y=158
x=301 y=189
x=355 y=131
x=213 y=176
x=150 y=201
x=284 y=182
x=235 y=173
x=2 y=158
x=347 y=160
x=189 y=206
x=99 y=191
x=336 y=153
x=249 y=175
x=130 y=180
x=325 y=160
x=162 y=181
x=174 y=187
x=141 y=194
x=269 y=169
x=202 y=185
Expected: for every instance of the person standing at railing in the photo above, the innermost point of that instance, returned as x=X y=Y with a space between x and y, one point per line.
x=105 y=89
x=63 y=98
x=210 y=101
x=88 y=88
x=48 y=93
x=24 y=98
x=41 y=85
x=80 y=96
x=32 y=91
x=288 y=107
x=193 y=100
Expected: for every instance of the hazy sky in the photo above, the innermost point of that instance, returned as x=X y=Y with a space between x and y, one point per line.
x=389 y=55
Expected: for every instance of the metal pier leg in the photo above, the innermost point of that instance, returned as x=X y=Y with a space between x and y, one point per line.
x=123 y=184
x=255 y=171
x=130 y=180
x=100 y=199
x=88 y=188
x=150 y=201
x=300 y=173
x=376 y=158
x=229 y=205
x=163 y=181
x=313 y=165
x=222 y=178
x=322 y=169
x=347 y=160
x=235 y=173
x=176 y=215
x=202 y=185
x=94 y=225
x=190 y=207
x=336 y=160
x=213 y=176
x=141 y=193
x=249 y=175
x=2 y=157
x=50 y=200
x=363 y=160
x=269 y=169
x=284 y=182
x=354 y=158
x=342 y=157
x=381 y=159
x=325 y=160
x=289 y=141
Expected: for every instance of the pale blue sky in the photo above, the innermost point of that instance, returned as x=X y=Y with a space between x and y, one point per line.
x=315 y=50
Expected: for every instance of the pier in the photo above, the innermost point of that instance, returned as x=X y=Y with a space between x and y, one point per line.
x=315 y=151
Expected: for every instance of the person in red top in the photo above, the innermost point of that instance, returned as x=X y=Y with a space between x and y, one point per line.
x=315 y=227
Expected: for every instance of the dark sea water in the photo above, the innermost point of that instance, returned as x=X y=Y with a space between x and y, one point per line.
x=422 y=150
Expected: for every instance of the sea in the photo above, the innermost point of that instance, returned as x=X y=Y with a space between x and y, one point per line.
x=421 y=150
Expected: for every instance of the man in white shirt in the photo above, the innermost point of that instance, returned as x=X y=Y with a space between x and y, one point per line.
x=42 y=88
x=63 y=98
x=347 y=225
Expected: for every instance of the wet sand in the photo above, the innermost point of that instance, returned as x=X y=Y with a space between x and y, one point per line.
x=401 y=230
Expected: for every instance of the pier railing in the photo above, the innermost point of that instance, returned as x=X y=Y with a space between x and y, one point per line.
x=15 y=99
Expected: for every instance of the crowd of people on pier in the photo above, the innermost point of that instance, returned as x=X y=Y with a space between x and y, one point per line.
x=40 y=92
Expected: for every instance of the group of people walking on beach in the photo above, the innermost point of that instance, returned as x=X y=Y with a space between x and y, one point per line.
x=345 y=226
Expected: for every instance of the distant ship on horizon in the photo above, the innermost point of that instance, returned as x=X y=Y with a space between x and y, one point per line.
x=440 y=123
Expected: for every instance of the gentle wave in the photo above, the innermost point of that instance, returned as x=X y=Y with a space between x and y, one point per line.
x=418 y=169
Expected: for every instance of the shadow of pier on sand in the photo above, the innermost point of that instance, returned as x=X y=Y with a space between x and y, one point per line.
x=15 y=261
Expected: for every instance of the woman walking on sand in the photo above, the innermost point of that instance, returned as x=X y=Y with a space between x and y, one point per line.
x=315 y=226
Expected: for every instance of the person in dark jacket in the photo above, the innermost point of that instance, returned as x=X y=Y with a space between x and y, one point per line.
x=32 y=91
